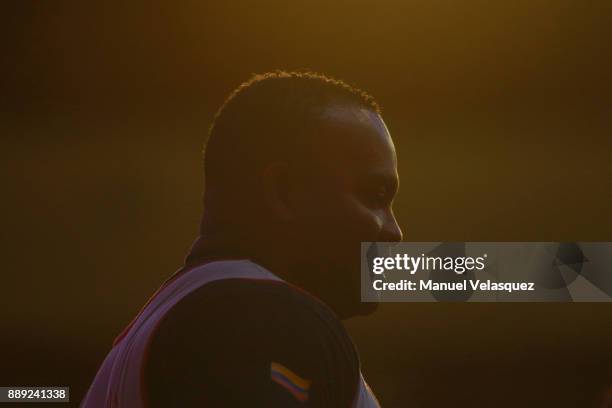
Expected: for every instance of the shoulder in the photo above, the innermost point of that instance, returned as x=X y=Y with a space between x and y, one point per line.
x=251 y=305
x=231 y=330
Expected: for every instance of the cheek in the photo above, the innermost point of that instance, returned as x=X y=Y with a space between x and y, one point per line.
x=340 y=217
x=359 y=222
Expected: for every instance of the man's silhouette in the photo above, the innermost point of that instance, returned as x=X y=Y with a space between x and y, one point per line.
x=299 y=169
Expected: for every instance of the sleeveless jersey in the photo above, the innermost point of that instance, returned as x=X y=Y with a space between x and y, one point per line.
x=119 y=382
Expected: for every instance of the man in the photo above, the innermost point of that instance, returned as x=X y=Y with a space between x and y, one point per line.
x=299 y=169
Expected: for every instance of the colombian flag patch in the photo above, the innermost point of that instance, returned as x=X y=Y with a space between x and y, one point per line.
x=290 y=381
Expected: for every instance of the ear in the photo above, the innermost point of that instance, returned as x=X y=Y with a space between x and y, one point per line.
x=276 y=183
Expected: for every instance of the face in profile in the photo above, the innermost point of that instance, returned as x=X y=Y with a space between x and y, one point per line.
x=347 y=199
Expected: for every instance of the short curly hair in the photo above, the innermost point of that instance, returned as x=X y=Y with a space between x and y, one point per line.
x=271 y=115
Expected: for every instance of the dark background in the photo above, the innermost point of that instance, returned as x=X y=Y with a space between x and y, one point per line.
x=501 y=113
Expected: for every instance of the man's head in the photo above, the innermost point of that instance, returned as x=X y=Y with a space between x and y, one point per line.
x=300 y=169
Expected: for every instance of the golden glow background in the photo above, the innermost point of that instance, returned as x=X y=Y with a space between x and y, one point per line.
x=501 y=113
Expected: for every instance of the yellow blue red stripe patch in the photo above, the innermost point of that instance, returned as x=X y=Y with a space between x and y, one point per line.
x=296 y=385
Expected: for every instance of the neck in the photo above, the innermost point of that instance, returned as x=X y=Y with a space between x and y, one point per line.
x=217 y=245
x=220 y=244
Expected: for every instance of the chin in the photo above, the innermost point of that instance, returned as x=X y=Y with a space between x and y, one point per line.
x=360 y=309
x=367 y=308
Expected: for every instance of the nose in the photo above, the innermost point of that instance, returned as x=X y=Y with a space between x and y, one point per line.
x=391 y=231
